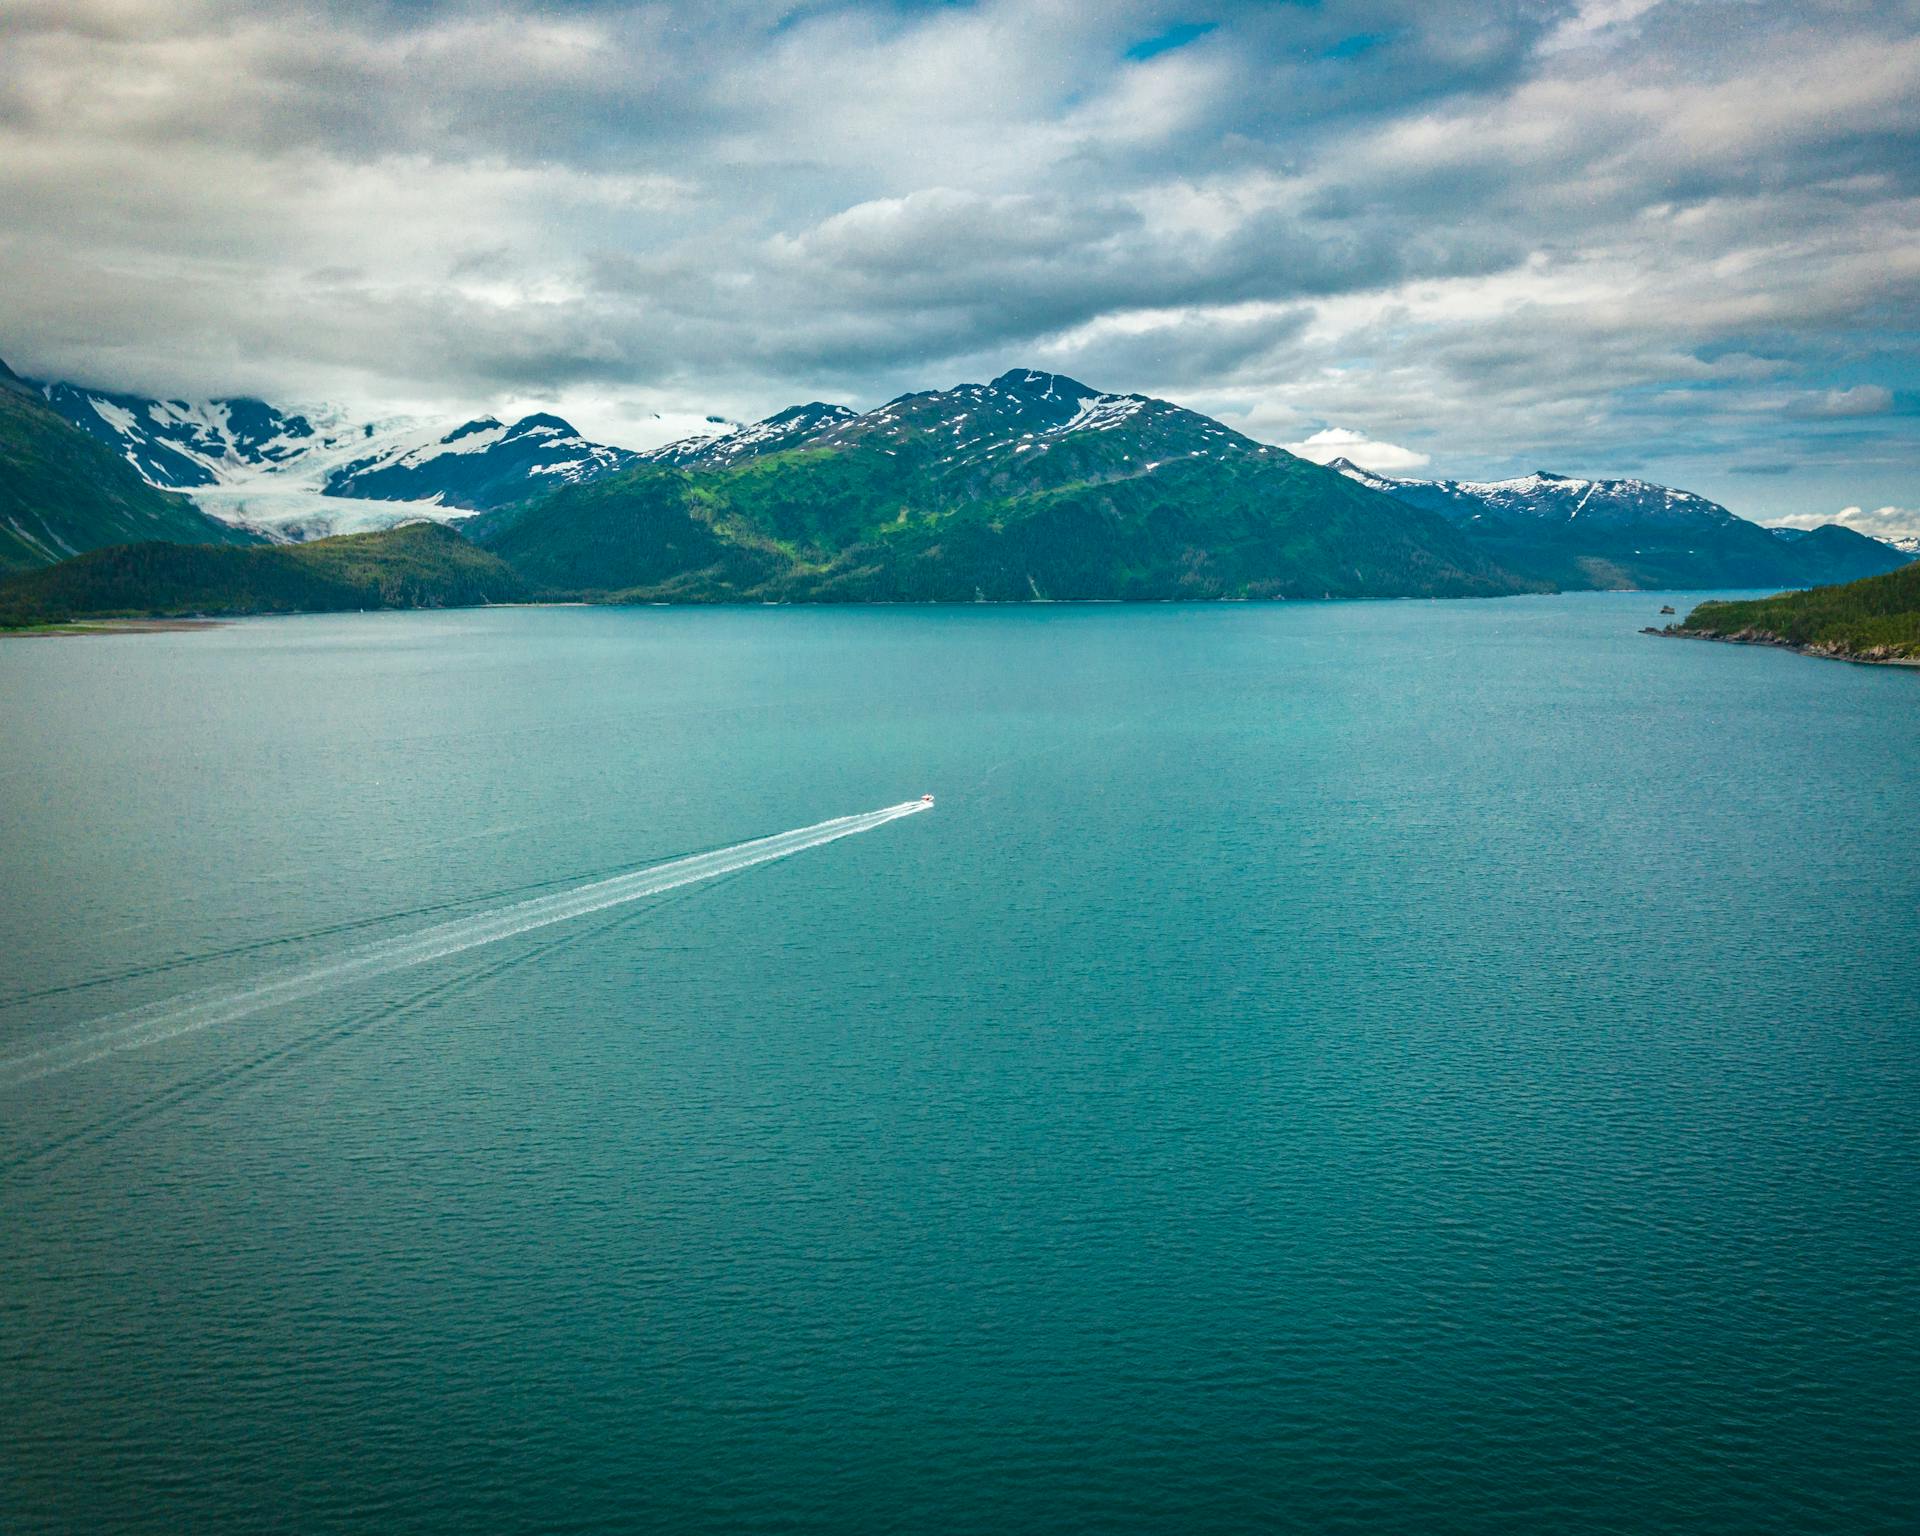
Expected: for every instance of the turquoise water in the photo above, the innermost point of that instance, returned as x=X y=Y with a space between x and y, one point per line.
x=1418 y=1067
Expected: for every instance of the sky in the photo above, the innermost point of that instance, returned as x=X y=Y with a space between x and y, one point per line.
x=1676 y=240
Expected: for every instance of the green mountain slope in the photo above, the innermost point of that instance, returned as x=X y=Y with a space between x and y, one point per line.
x=1877 y=619
x=834 y=525
x=643 y=533
x=419 y=565
x=1032 y=487
x=1579 y=557
x=62 y=492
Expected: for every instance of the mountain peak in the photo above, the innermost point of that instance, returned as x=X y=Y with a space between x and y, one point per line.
x=543 y=423
x=467 y=429
x=1360 y=475
x=1041 y=386
x=796 y=426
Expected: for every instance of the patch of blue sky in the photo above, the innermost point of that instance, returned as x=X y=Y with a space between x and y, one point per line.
x=1352 y=47
x=1176 y=36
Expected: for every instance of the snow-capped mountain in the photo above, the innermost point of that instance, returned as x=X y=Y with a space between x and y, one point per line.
x=1030 y=432
x=794 y=427
x=181 y=444
x=985 y=427
x=1031 y=486
x=1630 y=533
x=304 y=474
x=1609 y=503
x=298 y=474
x=479 y=464
x=1554 y=498
x=64 y=493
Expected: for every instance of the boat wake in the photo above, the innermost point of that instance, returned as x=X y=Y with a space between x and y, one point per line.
x=149 y=1025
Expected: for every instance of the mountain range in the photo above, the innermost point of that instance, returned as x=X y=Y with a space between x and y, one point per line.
x=1631 y=533
x=251 y=462
x=1030 y=486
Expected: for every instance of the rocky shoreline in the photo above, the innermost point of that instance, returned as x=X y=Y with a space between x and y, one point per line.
x=1873 y=656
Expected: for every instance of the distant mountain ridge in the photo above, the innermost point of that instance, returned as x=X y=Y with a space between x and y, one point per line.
x=1834 y=552
x=1631 y=533
x=1906 y=543
x=1551 y=497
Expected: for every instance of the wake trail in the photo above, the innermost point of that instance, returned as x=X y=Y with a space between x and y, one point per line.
x=165 y=1020
x=234 y=1075
x=289 y=940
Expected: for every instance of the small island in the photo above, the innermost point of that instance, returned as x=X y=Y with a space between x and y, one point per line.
x=1876 y=620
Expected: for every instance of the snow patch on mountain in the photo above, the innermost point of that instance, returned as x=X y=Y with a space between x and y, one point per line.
x=288 y=498
x=1549 y=497
x=1101 y=413
x=479 y=464
x=1365 y=477
x=794 y=427
x=179 y=444
x=1023 y=411
x=255 y=464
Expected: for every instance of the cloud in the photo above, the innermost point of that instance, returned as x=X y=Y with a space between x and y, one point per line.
x=1861 y=400
x=1880 y=523
x=1344 y=443
x=1592 y=20
x=1573 y=234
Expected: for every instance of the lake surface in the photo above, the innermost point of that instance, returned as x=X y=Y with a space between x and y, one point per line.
x=1407 y=1066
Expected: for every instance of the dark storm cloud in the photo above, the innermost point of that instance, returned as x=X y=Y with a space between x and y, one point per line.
x=1575 y=233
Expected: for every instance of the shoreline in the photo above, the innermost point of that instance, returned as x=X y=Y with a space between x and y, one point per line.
x=1776 y=642
x=64 y=628
x=129 y=625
